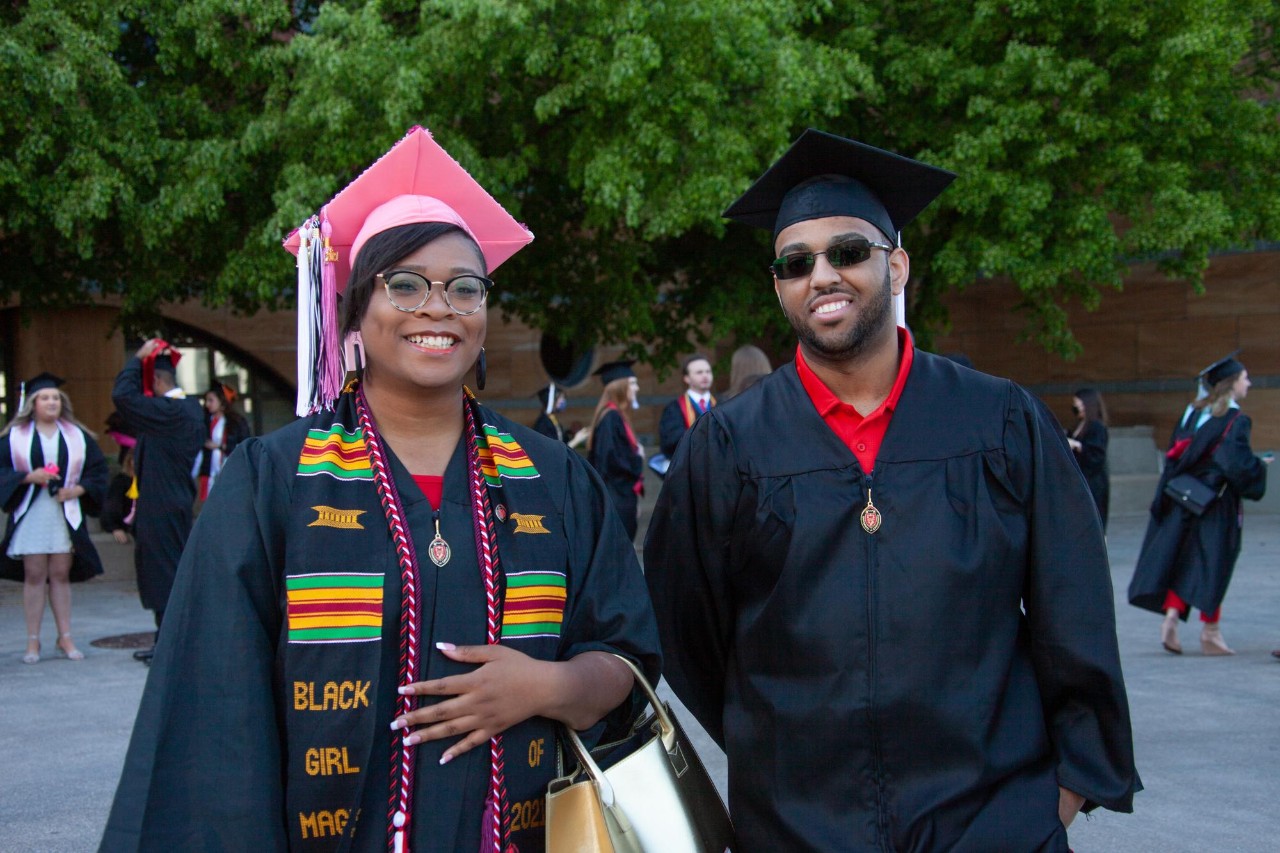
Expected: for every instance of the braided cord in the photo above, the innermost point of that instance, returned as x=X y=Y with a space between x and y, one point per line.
x=399 y=810
x=487 y=553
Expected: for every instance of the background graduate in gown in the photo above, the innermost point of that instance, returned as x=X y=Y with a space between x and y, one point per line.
x=879 y=577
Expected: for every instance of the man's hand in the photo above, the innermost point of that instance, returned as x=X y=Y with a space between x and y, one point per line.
x=147 y=348
x=1069 y=805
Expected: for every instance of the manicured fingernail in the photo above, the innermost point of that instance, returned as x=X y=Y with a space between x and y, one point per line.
x=410 y=740
x=397 y=724
x=446 y=758
x=404 y=691
x=446 y=647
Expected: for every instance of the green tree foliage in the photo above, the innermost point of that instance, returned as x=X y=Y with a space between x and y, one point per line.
x=161 y=150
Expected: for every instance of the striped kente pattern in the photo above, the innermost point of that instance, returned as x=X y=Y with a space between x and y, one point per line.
x=334 y=607
x=335 y=452
x=501 y=456
x=534 y=605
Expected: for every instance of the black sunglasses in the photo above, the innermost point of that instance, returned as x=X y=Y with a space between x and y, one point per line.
x=849 y=253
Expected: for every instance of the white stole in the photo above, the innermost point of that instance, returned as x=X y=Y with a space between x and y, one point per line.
x=21 y=439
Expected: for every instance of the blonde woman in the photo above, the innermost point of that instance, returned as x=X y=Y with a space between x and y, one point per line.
x=1187 y=559
x=52 y=474
x=613 y=449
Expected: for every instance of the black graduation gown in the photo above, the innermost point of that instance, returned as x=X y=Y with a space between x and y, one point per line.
x=170 y=433
x=117 y=505
x=1196 y=556
x=234 y=432
x=618 y=465
x=1092 y=457
x=925 y=687
x=671 y=426
x=209 y=765
x=549 y=426
x=85 y=563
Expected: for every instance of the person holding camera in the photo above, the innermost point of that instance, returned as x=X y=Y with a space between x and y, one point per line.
x=52 y=474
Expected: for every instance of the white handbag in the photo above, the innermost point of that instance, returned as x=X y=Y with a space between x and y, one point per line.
x=658 y=799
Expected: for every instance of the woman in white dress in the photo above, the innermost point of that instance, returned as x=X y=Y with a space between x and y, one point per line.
x=52 y=474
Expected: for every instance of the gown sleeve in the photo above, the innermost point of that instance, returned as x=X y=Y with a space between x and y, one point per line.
x=1245 y=472
x=608 y=608
x=204 y=767
x=670 y=428
x=1093 y=448
x=11 y=486
x=687 y=558
x=154 y=415
x=1070 y=612
x=94 y=478
x=612 y=453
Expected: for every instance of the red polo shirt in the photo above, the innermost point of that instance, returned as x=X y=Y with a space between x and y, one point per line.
x=862 y=436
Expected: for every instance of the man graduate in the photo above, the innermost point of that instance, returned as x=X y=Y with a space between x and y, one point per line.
x=170 y=430
x=879 y=579
x=681 y=412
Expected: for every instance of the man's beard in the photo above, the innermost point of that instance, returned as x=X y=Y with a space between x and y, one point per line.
x=873 y=314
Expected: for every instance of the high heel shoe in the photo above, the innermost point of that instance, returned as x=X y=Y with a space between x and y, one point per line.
x=30 y=656
x=1169 y=632
x=1211 y=642
x=70 y=654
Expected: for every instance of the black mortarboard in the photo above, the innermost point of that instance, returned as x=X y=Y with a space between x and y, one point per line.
x=42 y=381
x=614 y=370
x=824 y=175
x=1221 y=369
x=164 y=362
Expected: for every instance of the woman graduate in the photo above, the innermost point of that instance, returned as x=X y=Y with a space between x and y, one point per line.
x=52 y=475
x=1088 y=441
x=1188 y=559
x=387 y=607
x=226 y=430
x=612 y=448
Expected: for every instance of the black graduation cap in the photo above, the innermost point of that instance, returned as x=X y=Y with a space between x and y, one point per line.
x=42 y=381
x=1221 y=369
x=615 y=370
x=164 y=362
x=822 y=174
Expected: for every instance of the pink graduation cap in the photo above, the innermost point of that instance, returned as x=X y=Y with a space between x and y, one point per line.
x=416 y=181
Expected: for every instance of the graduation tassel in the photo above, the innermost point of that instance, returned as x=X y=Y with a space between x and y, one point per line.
x=329 y=365
x=306 y=319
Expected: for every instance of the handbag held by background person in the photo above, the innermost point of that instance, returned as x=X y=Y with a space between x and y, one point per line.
x=1190 y=493
x=657 y=799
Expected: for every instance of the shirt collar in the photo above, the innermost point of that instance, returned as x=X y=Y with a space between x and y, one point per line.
x=827 y=402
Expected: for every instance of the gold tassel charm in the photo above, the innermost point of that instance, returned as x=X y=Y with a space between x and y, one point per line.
x=870 y=517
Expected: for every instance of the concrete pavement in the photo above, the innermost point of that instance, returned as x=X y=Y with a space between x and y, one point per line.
x=1207 y=730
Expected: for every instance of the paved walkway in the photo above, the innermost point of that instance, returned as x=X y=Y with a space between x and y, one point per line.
x=1207 y=730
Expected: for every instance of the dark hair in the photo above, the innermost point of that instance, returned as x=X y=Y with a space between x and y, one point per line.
x=697 y=356
x=1094 y=408
x=381 y=251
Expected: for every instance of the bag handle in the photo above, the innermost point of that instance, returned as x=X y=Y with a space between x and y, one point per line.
x=666 y=728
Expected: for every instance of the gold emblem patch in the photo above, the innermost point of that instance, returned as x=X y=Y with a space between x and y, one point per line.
x=343 y=519
x=529 y=523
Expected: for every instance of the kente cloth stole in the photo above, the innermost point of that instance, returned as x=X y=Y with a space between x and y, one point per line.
x=343 y=541
x=21 y=455
x=690 y=411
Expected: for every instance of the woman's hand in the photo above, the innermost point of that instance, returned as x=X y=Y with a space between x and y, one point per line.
x=39 y=477
x=508 y=688
x=120 y=536
x=211 y=445
x=1075 y=444
x=68 y=494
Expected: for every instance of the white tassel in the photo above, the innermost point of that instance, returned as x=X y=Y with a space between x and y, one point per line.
x=551 y=397
x=307 y=304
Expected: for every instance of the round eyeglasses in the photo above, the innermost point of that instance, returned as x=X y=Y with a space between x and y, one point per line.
x=409 y=291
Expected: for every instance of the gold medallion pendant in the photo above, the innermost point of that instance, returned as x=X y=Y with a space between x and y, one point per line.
x=870 y=517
